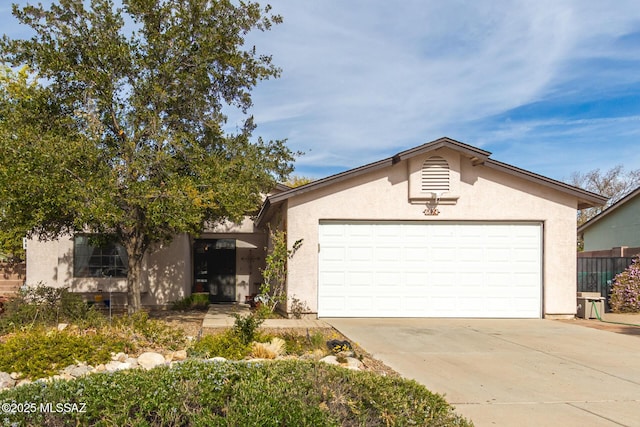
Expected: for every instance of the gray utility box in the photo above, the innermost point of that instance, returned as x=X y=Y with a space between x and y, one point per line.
x=586 y=301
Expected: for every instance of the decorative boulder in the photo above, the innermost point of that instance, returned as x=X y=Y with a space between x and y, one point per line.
x=150 y=360
x=6 y=381
x=114 y=366
x=331 y=360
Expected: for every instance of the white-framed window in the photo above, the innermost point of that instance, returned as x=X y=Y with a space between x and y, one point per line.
x=95 y=256
x=434 y=176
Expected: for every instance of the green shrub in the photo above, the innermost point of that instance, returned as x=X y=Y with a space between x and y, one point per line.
x=228 y=345
x=47 y=306
x=38 y=353
x=193 y=301
x=272 y=290
x=285 y=393
x=625 y=291
x=245 y=327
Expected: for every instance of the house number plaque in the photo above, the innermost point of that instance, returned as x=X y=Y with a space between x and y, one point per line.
x=431 y=211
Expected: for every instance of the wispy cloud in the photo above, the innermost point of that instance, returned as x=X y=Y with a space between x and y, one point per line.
x=364 y=79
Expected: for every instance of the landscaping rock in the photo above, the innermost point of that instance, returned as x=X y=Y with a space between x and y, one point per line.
x=180 y=355
x=150 y=360
x=345 y=354
x=114 y=366
x=23 y=382
x=16 y=375
x=132 y=361
x=78 y=371
x=6 y=381
x=119 y=357
x=65 y=376
x=353 y=364
x=331 y=360
x=217 y=359
x=62 y=326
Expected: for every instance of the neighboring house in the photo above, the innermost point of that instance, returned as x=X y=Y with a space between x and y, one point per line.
x=616 y=230
x=440 y=230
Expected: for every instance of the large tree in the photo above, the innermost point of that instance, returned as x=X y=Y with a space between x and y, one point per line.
x=614 y=184
x=121 y=131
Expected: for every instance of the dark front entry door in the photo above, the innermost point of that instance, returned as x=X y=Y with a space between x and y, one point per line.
x=215 y=269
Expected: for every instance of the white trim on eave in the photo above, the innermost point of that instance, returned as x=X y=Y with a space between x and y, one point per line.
x=478 y=157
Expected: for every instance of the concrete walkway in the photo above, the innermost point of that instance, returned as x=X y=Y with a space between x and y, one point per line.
x=513 y=372
x=220 y=316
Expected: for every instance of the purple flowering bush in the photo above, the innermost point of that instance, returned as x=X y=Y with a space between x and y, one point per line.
x=625 y=292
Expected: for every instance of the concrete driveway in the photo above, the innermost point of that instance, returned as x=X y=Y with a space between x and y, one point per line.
x=512 y=372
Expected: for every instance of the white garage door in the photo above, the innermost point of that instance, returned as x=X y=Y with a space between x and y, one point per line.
x=434 y=269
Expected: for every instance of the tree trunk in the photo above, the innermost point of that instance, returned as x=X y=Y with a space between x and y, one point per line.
x=135 y=253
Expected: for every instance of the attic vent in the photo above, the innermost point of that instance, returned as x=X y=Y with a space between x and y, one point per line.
x=435 y=175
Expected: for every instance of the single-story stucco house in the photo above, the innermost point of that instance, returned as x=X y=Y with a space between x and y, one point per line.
x=439 y=230
x=616 y=230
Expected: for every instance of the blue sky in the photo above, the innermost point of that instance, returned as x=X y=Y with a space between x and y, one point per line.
x=548 y=86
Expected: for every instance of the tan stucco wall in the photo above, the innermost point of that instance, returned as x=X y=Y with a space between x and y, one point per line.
x=484 y=194
x=167 y=272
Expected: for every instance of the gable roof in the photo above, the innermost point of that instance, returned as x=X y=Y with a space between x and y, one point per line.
x=611 y=209
x=477 y=156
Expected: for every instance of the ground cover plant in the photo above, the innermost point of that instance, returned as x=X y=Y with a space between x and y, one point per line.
x=32 y=344
x=281 y=393
x=40 y=353
x=291 y=392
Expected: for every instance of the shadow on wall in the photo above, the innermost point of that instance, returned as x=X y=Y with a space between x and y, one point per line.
x=249 y=266
x=65 y=276
x=164 y=276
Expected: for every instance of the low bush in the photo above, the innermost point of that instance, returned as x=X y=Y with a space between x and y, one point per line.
x=291 y=393
x=192 y=302
x=246 y=327
x=39 y=353
x=625 y=291
x=47 y=306
x=227 y=344
x=299 y=308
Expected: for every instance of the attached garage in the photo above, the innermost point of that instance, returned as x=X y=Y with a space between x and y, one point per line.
x=430 y=269
x=439 y=230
